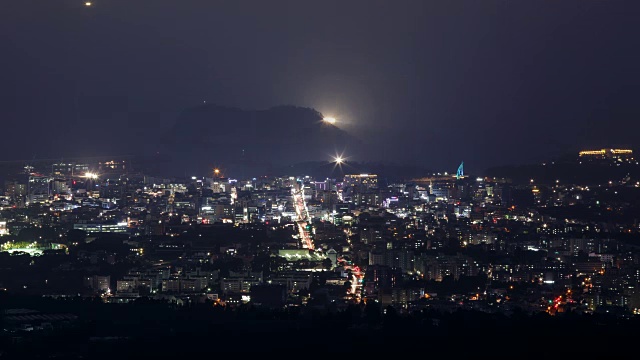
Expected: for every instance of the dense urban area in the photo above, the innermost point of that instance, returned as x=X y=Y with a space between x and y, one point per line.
x=102 y=253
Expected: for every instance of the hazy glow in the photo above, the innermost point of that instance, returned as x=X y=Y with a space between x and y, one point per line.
x=90 y=175
x=339 y=160
x=330 y=120
x=216 y=171
x=88 y=3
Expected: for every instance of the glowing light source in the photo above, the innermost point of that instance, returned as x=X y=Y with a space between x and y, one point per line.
x=329 y=120
x=339 y=160
x=88 y=3
x=604 y=152
x=91 y=175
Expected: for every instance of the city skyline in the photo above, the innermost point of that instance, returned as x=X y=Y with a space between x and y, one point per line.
x=185 y=179
x=106 y=249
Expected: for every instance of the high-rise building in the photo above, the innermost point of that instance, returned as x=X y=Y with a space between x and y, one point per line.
x=69 y=169
x=367 y=181
x=3 y=228
x=61 y=169
x=98 y=283
x=59 y=186
x=15 y=190
x=442 y=189
x=38 y=188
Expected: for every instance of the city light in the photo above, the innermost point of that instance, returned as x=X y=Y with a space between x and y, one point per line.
x=194 y=214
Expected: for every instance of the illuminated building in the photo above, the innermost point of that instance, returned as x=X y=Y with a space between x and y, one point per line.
x=362 y=180
x=98 y=283
x=341 y=208
x=321 y=185
x=3 y=228
x=460 y=172
x=376 y=258
x=293 y=281
x=217 y=187
x=333 y=255
x=537 y=195
x=122 y=227
x=59 y=186
x=113 y=166
x=38 y=188
x=463 y=211
x=68 y=169
x=184 y=285
x=368 y=199
x=61 y=169
x=15 y=190
x=503 y=192
x=442 y=189
x=606 y=154
x=380 y=277
x=240 y=282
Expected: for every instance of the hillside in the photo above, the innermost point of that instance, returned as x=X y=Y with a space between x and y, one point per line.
x=246 y=142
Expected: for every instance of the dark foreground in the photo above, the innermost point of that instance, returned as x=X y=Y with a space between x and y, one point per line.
x=147 y=330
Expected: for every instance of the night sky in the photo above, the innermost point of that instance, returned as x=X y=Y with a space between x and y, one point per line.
x=433 y=82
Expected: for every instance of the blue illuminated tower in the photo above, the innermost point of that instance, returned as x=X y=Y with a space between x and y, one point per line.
x=460 y=172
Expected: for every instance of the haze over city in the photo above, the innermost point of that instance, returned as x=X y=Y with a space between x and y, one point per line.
x=426 y=83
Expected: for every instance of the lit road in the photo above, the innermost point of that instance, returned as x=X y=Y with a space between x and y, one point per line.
x=357 y=277
x=302 y=213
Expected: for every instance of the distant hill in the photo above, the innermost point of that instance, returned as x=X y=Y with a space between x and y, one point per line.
x=252 y=142
x=566 y=172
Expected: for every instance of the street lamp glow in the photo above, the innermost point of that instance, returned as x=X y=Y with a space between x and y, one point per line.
x=339 y=160
x=329 y=120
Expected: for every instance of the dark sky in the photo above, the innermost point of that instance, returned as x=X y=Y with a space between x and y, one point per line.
x=432 y=82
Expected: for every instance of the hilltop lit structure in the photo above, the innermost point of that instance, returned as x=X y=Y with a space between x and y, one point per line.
x=606 y=154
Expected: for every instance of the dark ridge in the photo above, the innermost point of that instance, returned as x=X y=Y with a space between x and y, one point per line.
x=252 y=142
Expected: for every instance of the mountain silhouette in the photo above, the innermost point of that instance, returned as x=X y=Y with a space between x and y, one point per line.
x=253 y=142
